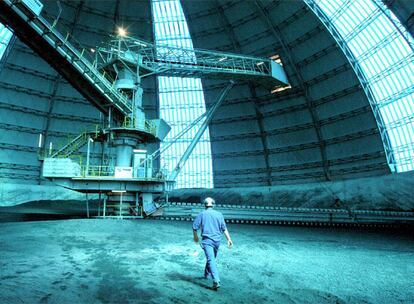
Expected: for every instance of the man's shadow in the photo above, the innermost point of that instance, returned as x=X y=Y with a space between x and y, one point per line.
x=199 y=281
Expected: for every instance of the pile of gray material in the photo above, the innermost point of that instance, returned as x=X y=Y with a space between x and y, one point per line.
x=391 y=192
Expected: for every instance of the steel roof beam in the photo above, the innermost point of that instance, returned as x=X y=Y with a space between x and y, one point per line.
x=259 y=116
x=239 y=182
x=299 y=147
x=208 y=12
x=298 y=127
x=315 y=119
x=36 y=131
x=300 y=107
x=35 y=112
x=103 y=13
x=308 y=165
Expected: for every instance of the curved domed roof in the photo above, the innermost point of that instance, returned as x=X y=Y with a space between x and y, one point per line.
x=323 y=128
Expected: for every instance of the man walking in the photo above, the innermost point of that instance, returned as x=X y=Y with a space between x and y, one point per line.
x=212 y=227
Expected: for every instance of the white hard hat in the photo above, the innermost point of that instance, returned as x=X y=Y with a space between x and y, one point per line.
x=209 y=202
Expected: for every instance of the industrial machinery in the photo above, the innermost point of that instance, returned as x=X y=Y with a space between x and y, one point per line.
x=112 y=82
x=313 y=217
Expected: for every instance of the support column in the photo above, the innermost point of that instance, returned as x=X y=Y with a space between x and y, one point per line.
x=124 y=150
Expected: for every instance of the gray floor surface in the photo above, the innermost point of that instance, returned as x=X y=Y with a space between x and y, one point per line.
x=114 y=261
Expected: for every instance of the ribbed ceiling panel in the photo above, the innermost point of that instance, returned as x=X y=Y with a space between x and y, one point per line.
x=322 y=128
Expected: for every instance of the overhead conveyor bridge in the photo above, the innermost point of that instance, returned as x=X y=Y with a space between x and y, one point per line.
x=109 y=76
x=167 y=60
x=90 y=76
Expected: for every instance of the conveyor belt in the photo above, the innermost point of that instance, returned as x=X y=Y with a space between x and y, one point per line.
x=79 y=67
x=170 y=61
x=291 y=216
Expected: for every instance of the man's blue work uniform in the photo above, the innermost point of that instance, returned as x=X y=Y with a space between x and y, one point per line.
x=212 y=227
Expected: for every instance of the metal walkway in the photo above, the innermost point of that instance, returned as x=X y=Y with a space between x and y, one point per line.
x=39 y=35
x=95 y=84
x=181 y=62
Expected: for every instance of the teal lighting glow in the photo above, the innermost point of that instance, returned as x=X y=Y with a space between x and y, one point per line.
x=5 y=36
x=381 y=52
x=181 y=101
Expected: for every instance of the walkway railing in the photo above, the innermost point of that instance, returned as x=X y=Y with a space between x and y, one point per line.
x=38 y=33
x=166 y=60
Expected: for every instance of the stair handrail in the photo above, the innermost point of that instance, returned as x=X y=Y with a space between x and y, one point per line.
x=60 y=43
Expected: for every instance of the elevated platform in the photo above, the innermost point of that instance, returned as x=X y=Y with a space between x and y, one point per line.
x=107 y=184
x=80 y=67
x=180 y=62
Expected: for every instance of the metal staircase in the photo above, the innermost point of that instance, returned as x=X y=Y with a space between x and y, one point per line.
x=72 y=146
x=91 y=77
x=110 y=78
x=44 y=39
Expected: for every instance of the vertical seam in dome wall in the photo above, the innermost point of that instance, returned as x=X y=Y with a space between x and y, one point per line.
x=259 y=115
x=56 y=82
x=51 y=101
x=263 y=136
x=309 y=102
